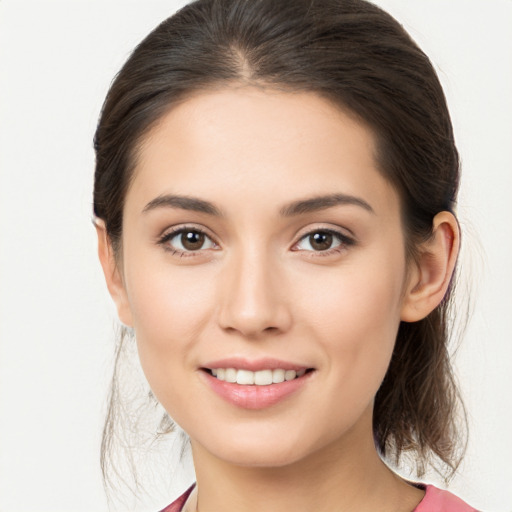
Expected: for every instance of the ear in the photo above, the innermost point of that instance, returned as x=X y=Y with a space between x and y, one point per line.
x=113 y=275
x=429 y=279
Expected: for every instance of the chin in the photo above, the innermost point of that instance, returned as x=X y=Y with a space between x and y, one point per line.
x=266 y=452
x=257 y=459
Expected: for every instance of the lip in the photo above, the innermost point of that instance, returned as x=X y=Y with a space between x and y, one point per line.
x=254 y=365
x=252 y=396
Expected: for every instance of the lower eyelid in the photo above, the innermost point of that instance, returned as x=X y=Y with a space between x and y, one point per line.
x=329 y=252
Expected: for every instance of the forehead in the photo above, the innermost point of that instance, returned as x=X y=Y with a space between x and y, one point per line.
x=254 y=141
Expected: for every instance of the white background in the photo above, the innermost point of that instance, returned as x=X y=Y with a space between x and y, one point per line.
x=56 y=320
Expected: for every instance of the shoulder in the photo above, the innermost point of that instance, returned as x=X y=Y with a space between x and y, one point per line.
x=177 y=506
x=437 y=500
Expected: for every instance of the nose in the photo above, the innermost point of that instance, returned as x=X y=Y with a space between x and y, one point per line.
x=253 y=300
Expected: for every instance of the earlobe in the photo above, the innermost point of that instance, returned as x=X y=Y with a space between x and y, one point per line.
x=431 y=277
x=112 y=273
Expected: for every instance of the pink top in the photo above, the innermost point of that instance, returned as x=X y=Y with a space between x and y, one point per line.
x=177 y=506
x=435 y=500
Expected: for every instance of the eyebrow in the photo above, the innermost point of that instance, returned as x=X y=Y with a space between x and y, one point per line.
x=184 y=203
x=292 y=209
x=321 y=203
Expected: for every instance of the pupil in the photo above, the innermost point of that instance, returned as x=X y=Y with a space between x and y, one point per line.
x=321 y=241
x=192 y=240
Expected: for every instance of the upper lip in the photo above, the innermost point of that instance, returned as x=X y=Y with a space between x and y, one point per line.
x=254 y=364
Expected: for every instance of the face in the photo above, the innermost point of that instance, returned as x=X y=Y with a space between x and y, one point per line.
x=263 y=271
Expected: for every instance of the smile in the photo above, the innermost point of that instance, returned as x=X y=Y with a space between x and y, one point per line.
x=255 y=388
x=256 y=378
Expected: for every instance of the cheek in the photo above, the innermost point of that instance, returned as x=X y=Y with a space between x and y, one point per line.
x=169 y=303
x=169 y=311
x=356 y=298
x=356 y=316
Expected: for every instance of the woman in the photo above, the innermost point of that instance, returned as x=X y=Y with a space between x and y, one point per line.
x=274 y=196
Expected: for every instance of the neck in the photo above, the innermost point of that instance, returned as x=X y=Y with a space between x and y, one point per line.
x=345 y=475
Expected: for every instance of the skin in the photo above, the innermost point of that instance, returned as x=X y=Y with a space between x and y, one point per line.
x=259 y=288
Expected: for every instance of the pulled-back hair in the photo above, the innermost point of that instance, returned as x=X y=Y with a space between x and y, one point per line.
x=361 y=59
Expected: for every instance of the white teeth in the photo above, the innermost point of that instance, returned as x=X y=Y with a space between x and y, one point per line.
x=259 y=378
x=290 y=375
x=263 y=377
x=230 y=375
x=277 y=376
x=244 y=377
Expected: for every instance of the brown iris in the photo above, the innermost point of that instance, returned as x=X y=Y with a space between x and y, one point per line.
x=320 y=241
x=192 y=240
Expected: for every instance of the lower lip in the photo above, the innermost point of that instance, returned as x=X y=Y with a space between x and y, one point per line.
x=255 y=397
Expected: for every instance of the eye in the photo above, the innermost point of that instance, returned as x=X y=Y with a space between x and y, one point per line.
x=323 y=240
x=186 y=240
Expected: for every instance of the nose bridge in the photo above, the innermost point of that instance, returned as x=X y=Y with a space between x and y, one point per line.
x=251 y=302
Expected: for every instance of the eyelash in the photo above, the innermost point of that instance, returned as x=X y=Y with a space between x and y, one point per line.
x=168 y=236
x=344 y=241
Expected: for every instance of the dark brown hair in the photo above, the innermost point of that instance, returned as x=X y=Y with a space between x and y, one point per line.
x=360 y=58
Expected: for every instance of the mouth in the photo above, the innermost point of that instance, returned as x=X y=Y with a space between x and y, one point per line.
x=256 y=383
x=264 y=377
